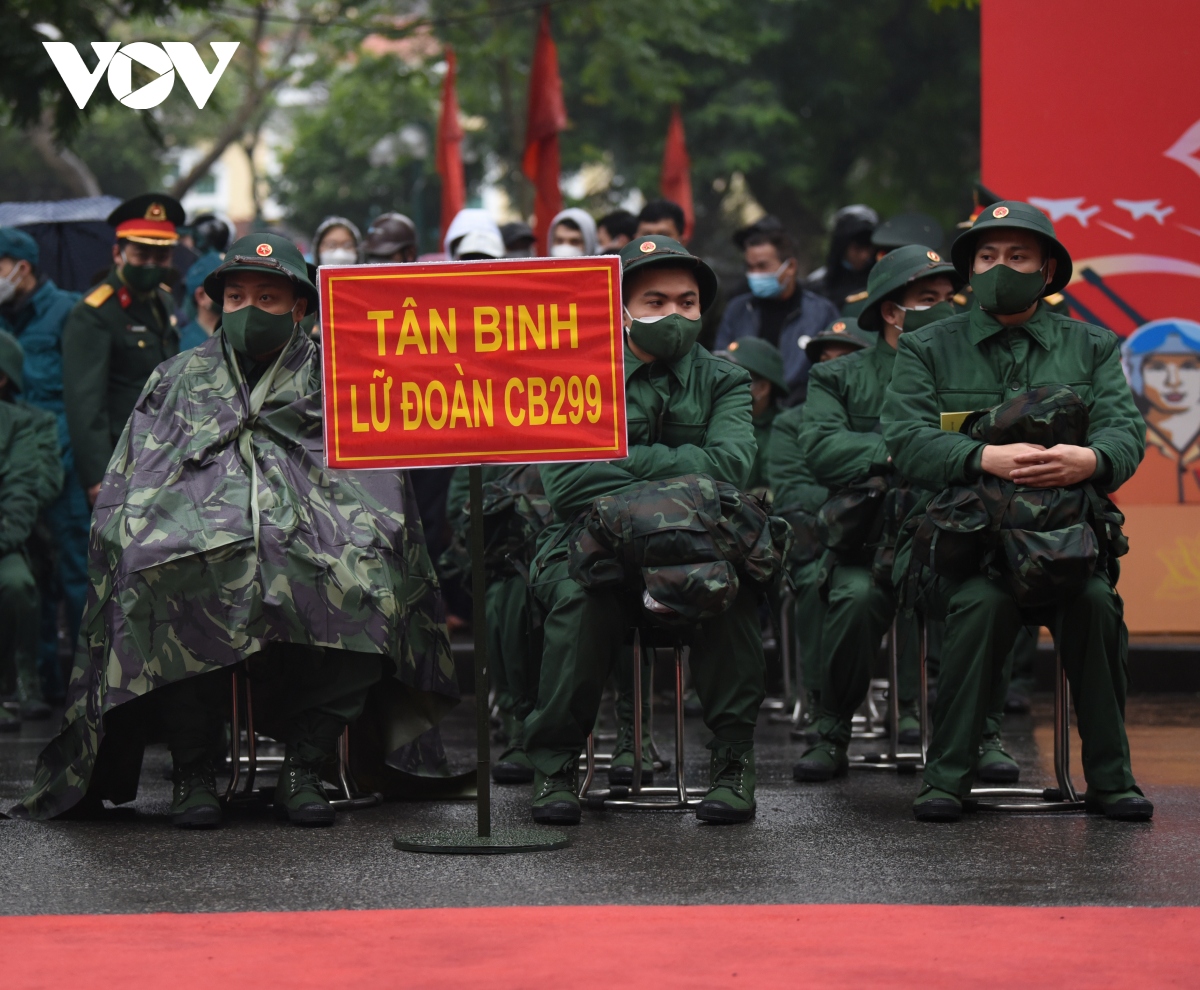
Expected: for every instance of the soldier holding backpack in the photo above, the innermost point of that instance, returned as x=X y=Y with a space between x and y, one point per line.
x=1028 y=482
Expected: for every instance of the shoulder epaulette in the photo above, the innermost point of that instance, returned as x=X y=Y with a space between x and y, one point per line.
x=99 y=295
x=1055 y=299
x=858 y=296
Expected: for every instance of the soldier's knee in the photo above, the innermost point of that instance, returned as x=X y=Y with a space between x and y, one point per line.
x=1098 y=598
x=981 y=595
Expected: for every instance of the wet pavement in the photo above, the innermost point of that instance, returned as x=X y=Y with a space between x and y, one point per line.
x=851 y=841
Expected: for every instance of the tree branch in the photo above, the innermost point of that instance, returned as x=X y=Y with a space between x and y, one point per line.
x=63 y=162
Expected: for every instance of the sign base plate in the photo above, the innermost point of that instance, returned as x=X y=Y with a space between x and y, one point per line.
x=466 y=842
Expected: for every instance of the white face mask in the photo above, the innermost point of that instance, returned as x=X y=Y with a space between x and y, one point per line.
x=566 y=251
x=337 y=256
x=8 y=285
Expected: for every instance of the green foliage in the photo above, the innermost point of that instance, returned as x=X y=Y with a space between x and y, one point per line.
x=367 y=150
x=817 y=102
x=29 y=83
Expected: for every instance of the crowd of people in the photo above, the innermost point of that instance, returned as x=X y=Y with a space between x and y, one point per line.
x=906 y=441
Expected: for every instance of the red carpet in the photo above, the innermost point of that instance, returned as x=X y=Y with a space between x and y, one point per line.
x=873 y=946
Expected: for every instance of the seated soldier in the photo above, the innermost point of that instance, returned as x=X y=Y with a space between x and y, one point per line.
x=768 y=389
x=1011 y=344
x=514 y=640
x=797 y=497
x=30 y=478
x=689 y=412
x=220 y=539
x=843 y=446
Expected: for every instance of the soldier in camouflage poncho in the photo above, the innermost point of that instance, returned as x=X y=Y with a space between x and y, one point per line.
x=220 y=539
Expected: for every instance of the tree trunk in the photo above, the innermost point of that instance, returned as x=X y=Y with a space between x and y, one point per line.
x=63 y=162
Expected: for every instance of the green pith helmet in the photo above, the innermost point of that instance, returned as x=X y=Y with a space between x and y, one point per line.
x=1021 y=216
x=840 y=331
x=908 y=228
x=759 y=357
x=12 y=360
x=263 y=252
x=894 y=271
x=655 y=249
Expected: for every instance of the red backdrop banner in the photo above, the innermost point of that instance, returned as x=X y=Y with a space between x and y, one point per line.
x=429 y=365
x=1091 y=111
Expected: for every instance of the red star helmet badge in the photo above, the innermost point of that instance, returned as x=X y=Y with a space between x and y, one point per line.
x=264 y=249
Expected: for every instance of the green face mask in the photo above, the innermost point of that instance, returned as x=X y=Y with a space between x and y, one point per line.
x=1005 y=291
x=666 y=337
x=914 y=319
x=143 y=278
x=257 y=333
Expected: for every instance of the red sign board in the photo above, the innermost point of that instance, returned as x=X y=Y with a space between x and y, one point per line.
x=470 y=362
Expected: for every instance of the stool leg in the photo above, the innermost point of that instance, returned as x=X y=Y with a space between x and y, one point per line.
x=343 y=754
x=923 y=700
x=636 y=787
x=679 y=783
x=251 y=742
x=591 y=765
x=235 y=740
x=1062 y=730
x=893 y=693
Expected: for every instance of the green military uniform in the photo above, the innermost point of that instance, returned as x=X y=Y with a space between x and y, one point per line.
x=968 y=362
x=843 y=446
x=30 y=479
x=797 y=499
x=220 y=539
x=514 y=645
x=689 y=413
x=762 y=359
x=115 y=337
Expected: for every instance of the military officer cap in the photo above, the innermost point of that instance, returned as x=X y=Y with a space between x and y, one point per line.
x=660 y=250
x=151 y=218
x=264 y=252
x=1020 y=216
x=840 y=331
x=894 y=271
x=908 y=228
x=12 y=360
x=759 y=357
x=18 y=245
x=389 y=233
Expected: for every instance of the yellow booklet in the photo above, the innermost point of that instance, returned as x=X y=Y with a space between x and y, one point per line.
x=953 y=421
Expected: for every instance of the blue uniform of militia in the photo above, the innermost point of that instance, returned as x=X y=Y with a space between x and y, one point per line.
x=37 y=322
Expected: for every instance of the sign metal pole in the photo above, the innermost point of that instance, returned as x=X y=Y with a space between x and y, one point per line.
x=485 y=840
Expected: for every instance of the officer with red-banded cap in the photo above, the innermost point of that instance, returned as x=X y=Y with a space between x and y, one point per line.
x=120 y=332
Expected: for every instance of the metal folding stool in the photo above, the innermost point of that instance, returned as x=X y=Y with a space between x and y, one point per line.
x=650 y=797
x=351 y=799
x=1062 y=798
x=894 y=759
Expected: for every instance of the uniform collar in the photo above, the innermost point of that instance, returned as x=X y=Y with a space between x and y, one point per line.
x=43 y=295
x=681 y=369
x=1039 y=326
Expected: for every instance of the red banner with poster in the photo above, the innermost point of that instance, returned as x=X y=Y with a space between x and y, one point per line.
x=1091 y=111
x=430 y=365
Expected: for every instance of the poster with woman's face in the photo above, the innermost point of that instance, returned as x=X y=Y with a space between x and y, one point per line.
x=1162 y=363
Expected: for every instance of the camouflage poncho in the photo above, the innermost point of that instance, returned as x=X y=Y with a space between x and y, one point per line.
x=217 y=530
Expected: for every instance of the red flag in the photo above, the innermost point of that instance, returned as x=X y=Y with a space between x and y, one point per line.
x=547 y=116
x=449 y=149
x=676 y=180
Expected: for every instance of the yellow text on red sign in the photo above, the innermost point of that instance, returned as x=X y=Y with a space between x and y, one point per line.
x=472 y=362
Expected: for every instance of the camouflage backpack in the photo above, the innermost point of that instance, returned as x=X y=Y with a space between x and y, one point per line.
x=686 y=542
x=851 y=520
x=1043 y=543
x=806 y=546
x=515 y=511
